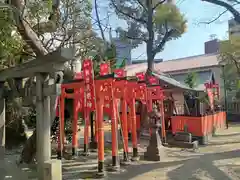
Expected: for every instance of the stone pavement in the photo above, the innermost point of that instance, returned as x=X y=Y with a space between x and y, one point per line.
x=220 y=160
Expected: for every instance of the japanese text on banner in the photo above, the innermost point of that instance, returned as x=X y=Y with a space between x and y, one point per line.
x=89 y=102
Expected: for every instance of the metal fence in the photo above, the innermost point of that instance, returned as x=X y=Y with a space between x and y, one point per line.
x=233 y=111
x=233 y=107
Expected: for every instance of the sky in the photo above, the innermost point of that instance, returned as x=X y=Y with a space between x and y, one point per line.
x=192 y=42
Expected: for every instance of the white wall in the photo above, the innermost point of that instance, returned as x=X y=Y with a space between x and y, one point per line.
x=217 y=75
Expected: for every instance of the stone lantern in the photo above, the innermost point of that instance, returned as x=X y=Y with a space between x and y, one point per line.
x=155 y=147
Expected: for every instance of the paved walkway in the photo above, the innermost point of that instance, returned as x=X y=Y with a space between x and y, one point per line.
x=220 y=160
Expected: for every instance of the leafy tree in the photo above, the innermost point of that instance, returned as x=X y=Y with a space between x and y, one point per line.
x=123 y=64
x=229 y=5
x=229 y=74
x=11 y=46
x=230 y=53
x=107 y=52
x=151 y=22
x=191 y=80
x=230 y=58
x=190 y=96
x=12 y=52
x=35 y=28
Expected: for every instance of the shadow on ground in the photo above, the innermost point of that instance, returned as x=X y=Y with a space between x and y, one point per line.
x=87 y=169
x=187 y=168
x=228 y=135
x=222 y=143
x=184 y=169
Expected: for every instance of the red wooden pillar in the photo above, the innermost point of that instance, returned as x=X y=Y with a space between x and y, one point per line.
x=104 y=88
x=75 y=128
x=134 y=128
x=129 y=120
x=131 y=100
x=163 y=121
x=120 y=92
x=114 y=129
x=100 y=134
x=125 y=128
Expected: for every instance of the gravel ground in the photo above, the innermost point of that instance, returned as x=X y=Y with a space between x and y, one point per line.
x=220 y=160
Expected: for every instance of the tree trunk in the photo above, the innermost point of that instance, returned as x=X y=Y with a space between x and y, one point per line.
x=31 y=38
x=150 y=66
x=29 y=149
x=15 y=130
x=150 y=56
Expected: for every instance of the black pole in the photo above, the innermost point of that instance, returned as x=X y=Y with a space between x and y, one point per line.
x=93 y=144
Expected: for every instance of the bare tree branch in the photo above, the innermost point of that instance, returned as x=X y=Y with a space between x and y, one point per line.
x=136 y=38
x=101 y=20
x=26 y=31
x=164 y=40
x=144 y=7
x=160 y=46
x=140 y=20
x=222 y=13
x=98 y=21
x=158 y=3
x=214 y=19
x=235 y=61
x=235 y=1
x=229 y=7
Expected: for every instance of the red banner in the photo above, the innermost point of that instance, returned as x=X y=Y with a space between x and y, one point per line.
x=80 y=96
x=89 y=100
x=107 y=105
x=153 y=80
x=140 y=76
x=119 y=73
x=141 y=92
x=104 y=69
x=211 y=98
x=213 y=92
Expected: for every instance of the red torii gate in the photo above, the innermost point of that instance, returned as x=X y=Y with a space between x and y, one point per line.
x=77 y=96
x=115 y=88
x=84 y=101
